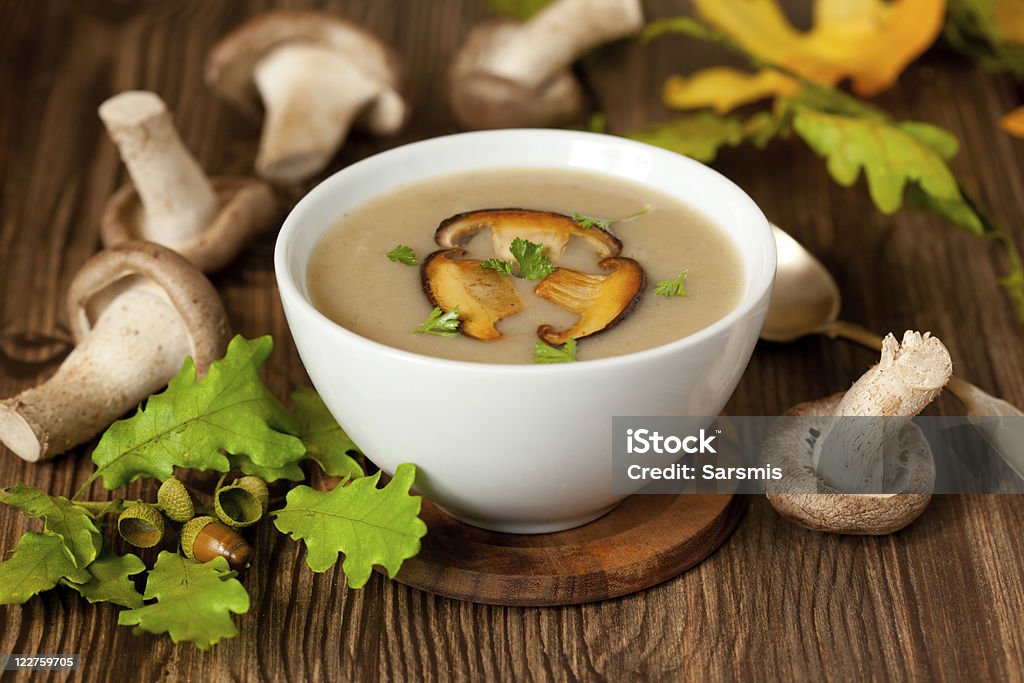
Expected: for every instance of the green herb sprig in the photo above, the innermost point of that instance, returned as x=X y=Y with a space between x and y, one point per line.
x=403 y=254
x=590 y=222
x=533 y=263
x=440 y=323
x=674 y=287
x=545 y=354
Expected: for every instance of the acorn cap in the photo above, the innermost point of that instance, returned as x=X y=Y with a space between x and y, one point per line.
x=256 y=487
x=237 y=507
x=190 y=531
x=174 y=501
x=141 y=525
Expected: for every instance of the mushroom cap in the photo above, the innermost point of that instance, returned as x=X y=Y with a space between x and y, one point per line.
x=187 y=289
x=481 y=100
x=247 y=207
x=843 y=513
x=232 y=62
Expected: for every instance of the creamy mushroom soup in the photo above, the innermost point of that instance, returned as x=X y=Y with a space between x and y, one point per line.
x=471 y=263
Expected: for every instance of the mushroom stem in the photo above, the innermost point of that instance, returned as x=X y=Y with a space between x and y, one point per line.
x=552 y=40
x=136 y=346
x=178 y=200
x=311 y=95
x=850 y=453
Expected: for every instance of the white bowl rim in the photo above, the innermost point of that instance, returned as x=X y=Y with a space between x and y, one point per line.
x=293 y=220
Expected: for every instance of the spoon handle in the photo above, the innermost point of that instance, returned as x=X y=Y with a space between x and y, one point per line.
x=852 y=332
x=976 y=401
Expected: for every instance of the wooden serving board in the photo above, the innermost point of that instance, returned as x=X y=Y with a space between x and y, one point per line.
x=646 y=540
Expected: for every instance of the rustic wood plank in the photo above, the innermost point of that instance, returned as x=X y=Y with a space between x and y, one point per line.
x=942 y=599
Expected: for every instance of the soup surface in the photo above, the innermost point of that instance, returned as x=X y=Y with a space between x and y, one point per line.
x=352 y=281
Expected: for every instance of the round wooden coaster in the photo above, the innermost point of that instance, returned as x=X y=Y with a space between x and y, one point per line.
x=644 y=541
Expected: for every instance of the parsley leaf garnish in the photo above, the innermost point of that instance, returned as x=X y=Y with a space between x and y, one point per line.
x=674 y=287
x=503 y=267
x=440 y=323
x=589 y=222
x=533 y=264
x=403 y=254
x=544 y=354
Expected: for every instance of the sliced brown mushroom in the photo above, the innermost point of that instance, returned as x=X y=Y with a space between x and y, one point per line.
x=601 y=301
x=136 y=311
x=483 y=297
x=316 y=75
x=511 y=74
x=828 y=455
x=170 y=201
x=553 y=230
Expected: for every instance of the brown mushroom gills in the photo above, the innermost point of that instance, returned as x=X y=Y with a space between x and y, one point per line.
x=802 y=497
x=483 y=297
x=602 y=301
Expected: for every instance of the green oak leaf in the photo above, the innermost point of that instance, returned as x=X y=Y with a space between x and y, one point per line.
x=890 y=155
x=699 y=136
x=109 y=580
x=190 y=423
x=702 y=135
x=72 y=524
x=370 y=526
x=194 y=601
x=39 y=562
x=326 y=442
x=290 y=471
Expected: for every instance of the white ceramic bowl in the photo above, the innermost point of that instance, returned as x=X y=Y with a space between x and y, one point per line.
x=519 y=460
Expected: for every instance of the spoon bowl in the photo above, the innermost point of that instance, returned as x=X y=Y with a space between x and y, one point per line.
x=806 y=298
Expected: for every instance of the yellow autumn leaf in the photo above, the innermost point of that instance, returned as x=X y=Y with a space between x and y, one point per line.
x=723 y=88
x=868 y=41
x=1013 y=123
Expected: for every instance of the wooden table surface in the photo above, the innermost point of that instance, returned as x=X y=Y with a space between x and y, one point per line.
x=942 y=599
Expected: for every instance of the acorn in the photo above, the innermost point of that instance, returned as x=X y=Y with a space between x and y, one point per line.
x=174 y=501
x=141 y=524
x=241 y=504
x=204 y=538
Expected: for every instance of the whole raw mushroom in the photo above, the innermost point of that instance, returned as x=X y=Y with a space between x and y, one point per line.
x=316 y=76
x=510 y=74
x=170 y=200
x=136 y=311
x=836 y=476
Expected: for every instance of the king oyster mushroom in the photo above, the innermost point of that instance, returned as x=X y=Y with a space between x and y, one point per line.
x=511 y=74
x=316 y=75
x=170 y=200
x=136 y=311
x=832 y=464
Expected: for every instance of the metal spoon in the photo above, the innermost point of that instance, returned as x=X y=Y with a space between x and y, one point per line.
x=806 y=301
